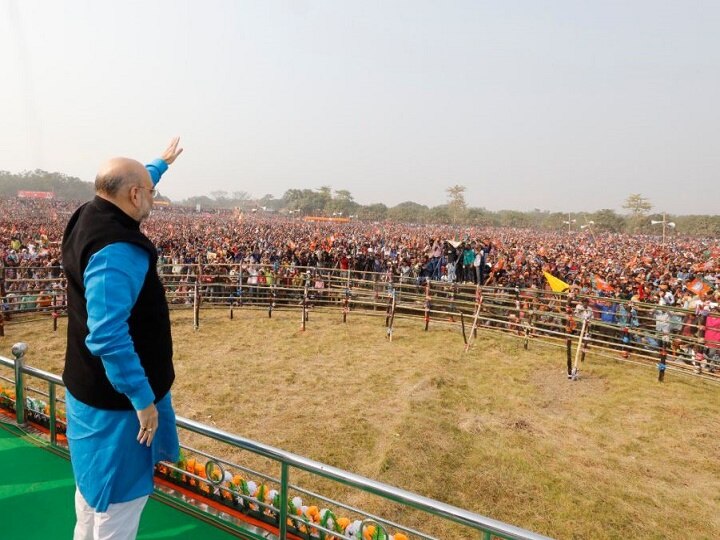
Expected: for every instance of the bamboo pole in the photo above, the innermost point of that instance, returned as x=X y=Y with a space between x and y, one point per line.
x=346 y=304
x=392 y=317
x=473 y=330
x=196 y=307
x=427 y=305
x=304 y=300
x=579 y=350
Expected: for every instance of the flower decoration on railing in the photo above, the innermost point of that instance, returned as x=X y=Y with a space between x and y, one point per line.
x=7 y=399
x=260 y=502
x=37 y=410
x=211 y=481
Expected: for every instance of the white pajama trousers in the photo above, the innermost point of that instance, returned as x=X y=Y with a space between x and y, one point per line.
x=120 y=522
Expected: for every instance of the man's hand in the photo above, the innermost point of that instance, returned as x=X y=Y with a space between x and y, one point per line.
x=172 y=151
x=148 y=418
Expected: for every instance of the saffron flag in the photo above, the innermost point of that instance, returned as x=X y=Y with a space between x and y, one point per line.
x=556 y=284
x=602 y=285
x=699 y=286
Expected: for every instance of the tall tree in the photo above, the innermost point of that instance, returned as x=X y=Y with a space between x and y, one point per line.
x=456 y=202
x=456 y=197
x=637 y=204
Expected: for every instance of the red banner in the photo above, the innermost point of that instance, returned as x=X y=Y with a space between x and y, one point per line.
x=328 y=219
x=36 y=195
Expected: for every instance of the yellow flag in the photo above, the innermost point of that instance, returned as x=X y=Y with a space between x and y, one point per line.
x=556 y=284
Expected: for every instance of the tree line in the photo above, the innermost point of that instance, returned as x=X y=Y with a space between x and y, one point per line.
x=454 y=211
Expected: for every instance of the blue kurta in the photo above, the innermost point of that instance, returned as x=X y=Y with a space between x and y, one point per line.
x=110 y=466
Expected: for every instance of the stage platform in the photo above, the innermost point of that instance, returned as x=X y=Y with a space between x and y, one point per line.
x=37 y=489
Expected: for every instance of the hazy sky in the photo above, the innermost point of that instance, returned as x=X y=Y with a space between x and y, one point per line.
x=557 y=105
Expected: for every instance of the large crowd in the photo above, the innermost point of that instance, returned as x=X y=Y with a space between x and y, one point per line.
x=631 y=266
x=684 y=272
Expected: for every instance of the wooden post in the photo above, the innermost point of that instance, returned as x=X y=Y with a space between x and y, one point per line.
x=530 y=327
x=699 y=355
x=346 y=304
x=462 y=324
x=479 y=302
x=388 y=310
x=584 y=343
x=579 y=349
x=662 y=364
x=569 y=330
x=304 y=301
x=55 y=314
x=453 y=291
x=392 y=317
x=626 y=342
x=240 y=287
x=473 y=330
x=196 y=298
x=196 y=307
x=376 y=293
x=272 y=301
x=427 y=305
x=568 y=351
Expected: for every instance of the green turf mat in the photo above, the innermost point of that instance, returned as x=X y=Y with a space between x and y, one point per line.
x=36 y=497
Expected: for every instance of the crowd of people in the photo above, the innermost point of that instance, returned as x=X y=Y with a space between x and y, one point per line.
x=630 y=266
x=682 y=273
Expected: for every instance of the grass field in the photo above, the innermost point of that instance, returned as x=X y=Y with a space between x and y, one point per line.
x=499 y=430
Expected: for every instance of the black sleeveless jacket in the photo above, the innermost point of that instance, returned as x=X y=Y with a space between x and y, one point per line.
x=93 y=226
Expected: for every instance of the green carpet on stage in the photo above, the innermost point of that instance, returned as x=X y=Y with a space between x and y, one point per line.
x=37 y=491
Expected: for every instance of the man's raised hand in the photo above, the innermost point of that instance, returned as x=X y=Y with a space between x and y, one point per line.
x=172 y=151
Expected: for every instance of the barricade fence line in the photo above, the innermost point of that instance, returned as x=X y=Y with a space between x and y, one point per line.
x=643 y=330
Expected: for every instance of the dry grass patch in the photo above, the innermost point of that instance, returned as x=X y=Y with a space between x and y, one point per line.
x=499 y=431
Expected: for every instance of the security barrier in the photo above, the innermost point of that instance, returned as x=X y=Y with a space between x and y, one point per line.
x=664 y=337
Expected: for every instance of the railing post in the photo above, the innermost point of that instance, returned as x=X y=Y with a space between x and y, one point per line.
x=18 y=352
x=53 y=414
x=284 y=482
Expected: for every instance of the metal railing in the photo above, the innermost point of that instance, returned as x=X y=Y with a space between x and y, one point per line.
x=489 y=528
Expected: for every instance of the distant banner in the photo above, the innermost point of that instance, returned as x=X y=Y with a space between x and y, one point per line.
x=330 y=219
x=36 y=195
